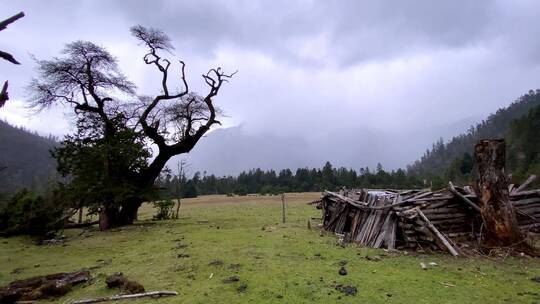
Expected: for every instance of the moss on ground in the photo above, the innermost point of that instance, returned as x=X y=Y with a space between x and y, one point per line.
x=219 y=239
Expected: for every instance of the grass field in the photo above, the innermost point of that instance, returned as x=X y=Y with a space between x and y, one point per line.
x=218 y=237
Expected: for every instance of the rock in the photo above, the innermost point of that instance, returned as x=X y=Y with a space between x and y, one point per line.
x=423 y=265
x=433 y=264
x=343 y=262
x=342 y=271
x=536 y=279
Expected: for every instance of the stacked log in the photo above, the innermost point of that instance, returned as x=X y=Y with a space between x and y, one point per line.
x=436 y=220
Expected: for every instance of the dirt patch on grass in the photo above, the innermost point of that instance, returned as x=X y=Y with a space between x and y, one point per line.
x=216 y=263
x=118 y=280
x=231 y=279
x=242 y=288
x=347 y=289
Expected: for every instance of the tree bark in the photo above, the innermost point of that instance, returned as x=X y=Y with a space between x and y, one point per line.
x=115 y=216
x=498 y=215
x=108 y=217
x=129 y=210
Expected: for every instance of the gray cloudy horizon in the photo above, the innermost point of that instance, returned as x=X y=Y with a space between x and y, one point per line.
x=380 y=79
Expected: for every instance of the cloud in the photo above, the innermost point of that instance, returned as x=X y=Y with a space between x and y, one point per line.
x=310 y=69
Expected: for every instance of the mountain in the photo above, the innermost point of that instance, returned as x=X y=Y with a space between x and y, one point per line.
x=24 y=159
x=436 y=161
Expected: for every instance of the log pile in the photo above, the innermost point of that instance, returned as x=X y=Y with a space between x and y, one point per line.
x=417 y=219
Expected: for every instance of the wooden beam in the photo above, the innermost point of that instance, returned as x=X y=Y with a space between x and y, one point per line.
x=153 y=294
x=437 y=233
x=463 y=198
x=531 y=179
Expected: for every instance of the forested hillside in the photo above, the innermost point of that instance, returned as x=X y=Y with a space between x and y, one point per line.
x=524 y=146
x=444 y=157
x=25 y=160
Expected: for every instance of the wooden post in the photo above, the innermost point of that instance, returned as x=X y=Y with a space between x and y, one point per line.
x=283 y=206
x=178 y=203
x=80 y=215
x=103 y=219
x=498 y=214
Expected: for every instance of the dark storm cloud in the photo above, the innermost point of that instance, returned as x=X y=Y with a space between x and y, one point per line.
x=355 y=31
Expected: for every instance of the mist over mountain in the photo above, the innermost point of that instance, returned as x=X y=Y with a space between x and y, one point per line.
x=229 y=151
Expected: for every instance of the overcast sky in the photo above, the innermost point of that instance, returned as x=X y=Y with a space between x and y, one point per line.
x=307 y=69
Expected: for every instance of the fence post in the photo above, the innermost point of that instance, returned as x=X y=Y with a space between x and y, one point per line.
x=283 y=206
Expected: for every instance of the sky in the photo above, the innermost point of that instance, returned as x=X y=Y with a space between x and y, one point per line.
x=353 y=82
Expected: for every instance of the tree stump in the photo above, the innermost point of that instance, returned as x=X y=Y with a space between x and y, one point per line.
x=498 y=215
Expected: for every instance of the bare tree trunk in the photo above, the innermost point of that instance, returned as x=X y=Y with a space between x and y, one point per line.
x=283 y=207
x=499 y=218
x=104 y=222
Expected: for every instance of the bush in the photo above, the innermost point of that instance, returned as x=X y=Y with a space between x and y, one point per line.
x=165 y=209
x=27 y=212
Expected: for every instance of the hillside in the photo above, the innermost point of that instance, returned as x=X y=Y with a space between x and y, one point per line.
x=524 y=147
x=25 y=158
x=435 y=162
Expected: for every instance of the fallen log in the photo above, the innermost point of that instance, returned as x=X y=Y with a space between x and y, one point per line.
x=151 y=294
x=42 y=287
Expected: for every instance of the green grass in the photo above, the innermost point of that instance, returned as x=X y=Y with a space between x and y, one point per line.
x=284 y=263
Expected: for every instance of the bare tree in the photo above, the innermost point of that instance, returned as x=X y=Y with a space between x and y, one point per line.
x=88 y=79
x=7 y=56
x=181 y=167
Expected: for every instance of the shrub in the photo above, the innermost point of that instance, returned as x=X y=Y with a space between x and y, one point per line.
x=165 y=209
x=27 y=212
